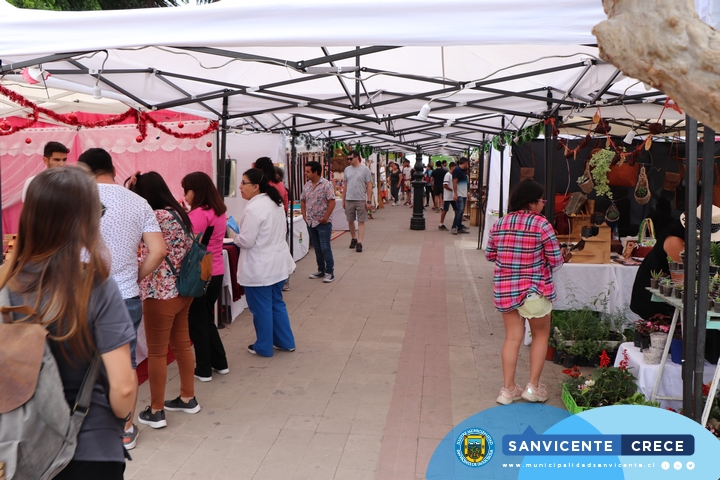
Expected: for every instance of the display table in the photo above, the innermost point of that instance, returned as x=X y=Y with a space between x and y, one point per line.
x=338 y=218
x=671 y=383
x=579 y=285
x=301 y=239
x=232 y=308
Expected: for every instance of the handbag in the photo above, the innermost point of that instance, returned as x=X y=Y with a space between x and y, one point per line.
x=623 y=175
x=673 y=179
x=646 y=239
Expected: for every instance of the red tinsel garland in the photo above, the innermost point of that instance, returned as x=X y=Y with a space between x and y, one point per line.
x=141 y=119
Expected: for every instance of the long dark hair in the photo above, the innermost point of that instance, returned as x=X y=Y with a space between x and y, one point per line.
x=526 y=192
x=257 y=177
x=266 y=166
x=205 y=194
x=59 y=255
x=153 y=188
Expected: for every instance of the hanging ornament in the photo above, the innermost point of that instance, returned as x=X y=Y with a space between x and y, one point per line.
x=648 y=143
x=139 y=138
x=181 y=124
x=209 y=144
x=596 y=118
x=71 y=117
x=5 y=125
x=28 y=140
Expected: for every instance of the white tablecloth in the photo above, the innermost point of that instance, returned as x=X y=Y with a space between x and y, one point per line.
x=671 y=383
x=338 y=218
x=236 y=308
x=301 y=239
x=578 y=285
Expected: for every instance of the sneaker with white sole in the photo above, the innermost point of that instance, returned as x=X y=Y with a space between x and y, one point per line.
x=317 y=275
x=178 y=405
x=251 y=349
x=507 y=397
x=154 y=420
x=130 y=438
x=442 y=226
x=222 y=371
x=534 y=393
x=454 y=231
x=284 y=349
x=203 y=379
x=329 y=277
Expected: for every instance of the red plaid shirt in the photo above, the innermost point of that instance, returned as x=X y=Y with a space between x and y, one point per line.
x=524 y=248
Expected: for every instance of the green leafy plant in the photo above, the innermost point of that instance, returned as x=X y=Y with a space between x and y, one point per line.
x=656 y=274
x=715 y=253
x=641 y=192
x=637 y=399
x=606 y=386
x=600 y=163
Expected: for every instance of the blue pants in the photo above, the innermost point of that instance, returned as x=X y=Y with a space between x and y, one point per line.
x=460 y=203
x=270 y=317
x=320 y=239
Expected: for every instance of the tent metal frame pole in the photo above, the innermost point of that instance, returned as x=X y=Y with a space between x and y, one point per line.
x=291 y=190
x=549 y=167
x=501 y=210
x=707 y=173
x=481 y=190
x=223 y=150
x=689 y=347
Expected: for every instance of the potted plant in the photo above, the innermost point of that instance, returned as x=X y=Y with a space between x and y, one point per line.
x=678 y=290
x=585 y=181
x=655 y=276
x=606 y=386
x=641 y=192
x=716 y=305
x=600 y=162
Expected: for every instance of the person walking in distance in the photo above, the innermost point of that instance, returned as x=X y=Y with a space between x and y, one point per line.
x=357 y=198
x=395 y=182
x=127 y=219
x=447 y=196
x=317 y=202
x=460 y=191
x=407 y=172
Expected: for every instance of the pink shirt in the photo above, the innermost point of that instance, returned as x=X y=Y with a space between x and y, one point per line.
x=201 y=219
x=283 y=193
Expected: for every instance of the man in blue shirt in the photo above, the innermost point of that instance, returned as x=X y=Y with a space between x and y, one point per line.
x=460 y=192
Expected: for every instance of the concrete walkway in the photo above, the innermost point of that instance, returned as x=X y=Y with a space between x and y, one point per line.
x=400 y=348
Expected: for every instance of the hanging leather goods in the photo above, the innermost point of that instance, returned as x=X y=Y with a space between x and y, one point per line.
x=642 y=188
x=673 y=179
x=528 y=173
x=586 y=182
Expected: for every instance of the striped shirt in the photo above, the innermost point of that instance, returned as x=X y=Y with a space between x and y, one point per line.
x=524 y=248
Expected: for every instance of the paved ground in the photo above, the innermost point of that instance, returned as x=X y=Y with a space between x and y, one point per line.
x=400 y=348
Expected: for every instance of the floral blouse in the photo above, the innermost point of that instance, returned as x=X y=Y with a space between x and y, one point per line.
x=160 y=284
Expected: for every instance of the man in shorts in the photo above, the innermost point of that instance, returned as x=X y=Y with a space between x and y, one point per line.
x=127 y=219
x=448 y=194
x=438 y=175
x=357 y=198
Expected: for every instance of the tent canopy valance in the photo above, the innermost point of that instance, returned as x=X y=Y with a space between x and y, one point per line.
x=482 y=67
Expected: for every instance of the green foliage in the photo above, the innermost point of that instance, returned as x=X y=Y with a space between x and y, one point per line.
x=656 y=274
x=606 y=386
x=637 y=399
x=715 y=253
x=600 y=163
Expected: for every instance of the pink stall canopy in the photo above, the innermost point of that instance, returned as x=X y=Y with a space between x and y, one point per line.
x=172 y=157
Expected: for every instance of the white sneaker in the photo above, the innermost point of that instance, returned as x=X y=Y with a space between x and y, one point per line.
x=203 y=379
x=454 y=231
x=329 y=278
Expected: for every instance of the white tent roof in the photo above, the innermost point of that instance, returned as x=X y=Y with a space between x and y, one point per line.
x=481 y=65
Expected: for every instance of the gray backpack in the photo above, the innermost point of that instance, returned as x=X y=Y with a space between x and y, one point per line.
x=38 y=431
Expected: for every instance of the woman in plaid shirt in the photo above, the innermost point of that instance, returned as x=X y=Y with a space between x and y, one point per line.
x=524 y=248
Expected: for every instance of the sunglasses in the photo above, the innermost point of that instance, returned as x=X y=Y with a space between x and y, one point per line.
x=544 y=202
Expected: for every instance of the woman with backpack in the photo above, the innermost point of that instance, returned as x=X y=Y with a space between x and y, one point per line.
x=59 y=268
x=207 y=210
x=165 y=312
x=264 y=264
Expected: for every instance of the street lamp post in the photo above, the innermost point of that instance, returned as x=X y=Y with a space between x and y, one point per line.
x=417 y=222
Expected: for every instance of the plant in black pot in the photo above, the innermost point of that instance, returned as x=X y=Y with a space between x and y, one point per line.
x=643 y=328
x=655 y=276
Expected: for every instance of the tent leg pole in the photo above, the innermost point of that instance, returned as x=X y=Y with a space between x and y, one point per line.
x=549 y=168
x=291 y=192
x=480 y=191
x=502 y=173
x=689 y=354
x=223 y=150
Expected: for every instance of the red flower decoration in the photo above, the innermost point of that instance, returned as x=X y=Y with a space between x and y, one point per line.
x=624 y=362
x=706 y=390
x=604 y=359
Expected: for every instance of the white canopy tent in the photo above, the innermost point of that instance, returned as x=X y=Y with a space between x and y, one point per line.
x=482 y=67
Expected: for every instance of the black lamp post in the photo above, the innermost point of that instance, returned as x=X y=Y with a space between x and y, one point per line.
x=417 y=222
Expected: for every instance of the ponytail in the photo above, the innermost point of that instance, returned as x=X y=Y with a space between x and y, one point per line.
x=257 y=177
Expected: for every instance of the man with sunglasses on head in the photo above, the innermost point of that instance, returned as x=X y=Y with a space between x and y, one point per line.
x=357 y=197
x=460 y=192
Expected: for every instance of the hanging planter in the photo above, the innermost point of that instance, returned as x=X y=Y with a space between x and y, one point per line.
x=600 y=162
x=642 y=188
x=586 y=181
x=612 y=214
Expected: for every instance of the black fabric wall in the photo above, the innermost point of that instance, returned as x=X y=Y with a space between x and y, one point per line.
x=657 y=161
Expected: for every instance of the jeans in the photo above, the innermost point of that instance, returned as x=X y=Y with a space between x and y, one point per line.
x=166 y=323
x=320 y=239
x=270 y=318
x=134 y=308
x=209 y=350
x=460 y=203
x=395 y=192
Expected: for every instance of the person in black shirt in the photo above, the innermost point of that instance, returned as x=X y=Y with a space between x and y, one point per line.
x=437 y=185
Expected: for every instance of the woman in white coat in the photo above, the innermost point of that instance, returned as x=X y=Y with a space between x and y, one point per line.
x=265 y=262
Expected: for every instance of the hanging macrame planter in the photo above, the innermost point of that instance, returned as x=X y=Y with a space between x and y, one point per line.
x=585 y=181
x=612 y=214
x=642 y=188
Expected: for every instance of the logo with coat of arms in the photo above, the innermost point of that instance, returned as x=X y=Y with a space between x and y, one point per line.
x=474 y=447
